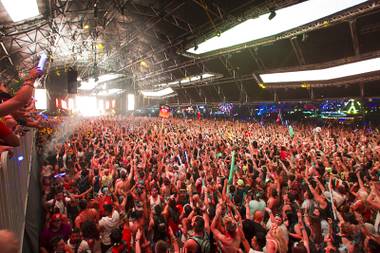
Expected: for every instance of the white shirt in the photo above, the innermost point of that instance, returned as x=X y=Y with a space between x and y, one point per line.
x=108 y=224
x=254 y=251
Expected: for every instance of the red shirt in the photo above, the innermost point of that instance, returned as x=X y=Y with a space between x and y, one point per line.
x=127 y=236
x=283 y=155
x=4 y=130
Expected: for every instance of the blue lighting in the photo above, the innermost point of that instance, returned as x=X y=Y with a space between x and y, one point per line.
x=20 y=158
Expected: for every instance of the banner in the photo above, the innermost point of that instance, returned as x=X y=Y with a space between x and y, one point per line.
x=291 y=131
x=164 y=111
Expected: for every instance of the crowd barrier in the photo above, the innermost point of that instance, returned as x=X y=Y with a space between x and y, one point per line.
x=15 y=174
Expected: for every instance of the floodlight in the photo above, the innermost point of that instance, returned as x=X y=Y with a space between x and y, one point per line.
x=336 y=72
x=41 y=99
x=21 y=9
x=158 y=93
x=87 y=106
x=131 y=102
x=286 y=19
x=92 y=83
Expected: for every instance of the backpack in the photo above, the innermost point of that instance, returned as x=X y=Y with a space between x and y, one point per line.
x=203 y=243
x=83 y=184
x=121 y=248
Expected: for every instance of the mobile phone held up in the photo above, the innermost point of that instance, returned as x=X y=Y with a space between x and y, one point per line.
x=42 y=62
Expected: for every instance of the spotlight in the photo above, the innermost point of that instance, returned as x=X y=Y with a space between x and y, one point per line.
x=262 y=86
x=272 y=14
x=20 y=158
x=304 y=37
x=100 y=46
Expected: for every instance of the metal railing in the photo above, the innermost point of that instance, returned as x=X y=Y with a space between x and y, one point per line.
x=15 y=170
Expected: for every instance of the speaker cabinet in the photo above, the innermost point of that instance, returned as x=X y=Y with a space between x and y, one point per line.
x=72 y=83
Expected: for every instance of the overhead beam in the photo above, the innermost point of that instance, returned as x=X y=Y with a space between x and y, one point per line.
x=147 y=27
x=7 y=54
x=354 y=36
x=298 y=51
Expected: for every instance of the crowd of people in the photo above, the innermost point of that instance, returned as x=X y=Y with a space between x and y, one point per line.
x=174 y=185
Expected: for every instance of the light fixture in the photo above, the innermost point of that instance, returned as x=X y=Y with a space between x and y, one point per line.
x=144 y=64
x=262 y=86
x=336 y=72
x=286 y=19
x=89 y=85
x=190 y=79
x=41 y=99
x=71 y=104
x=100 y=46
x=92 y=82
x=272 y=14
x=87 y=106
x=21 y=9
x=108 y=92
x=157 y=93
x=130 y=102
x=304 y=37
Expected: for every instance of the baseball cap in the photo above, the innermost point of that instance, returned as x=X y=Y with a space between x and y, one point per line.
x=56 y=217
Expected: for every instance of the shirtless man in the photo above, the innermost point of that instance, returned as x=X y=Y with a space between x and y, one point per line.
x=231 y=239
x=122 y=185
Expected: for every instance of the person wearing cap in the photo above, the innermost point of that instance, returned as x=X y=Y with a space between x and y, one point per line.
x=107 y=179
x=55 y=228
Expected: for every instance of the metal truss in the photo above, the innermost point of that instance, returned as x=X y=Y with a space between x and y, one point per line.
x=345 y=16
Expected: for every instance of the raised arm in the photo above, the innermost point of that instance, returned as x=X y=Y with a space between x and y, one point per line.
x=22 y=96
x=219 y=235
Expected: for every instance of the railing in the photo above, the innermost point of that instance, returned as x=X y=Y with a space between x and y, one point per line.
x=15 y=171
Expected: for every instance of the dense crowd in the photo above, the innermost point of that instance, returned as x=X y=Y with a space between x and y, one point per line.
x=154 y=185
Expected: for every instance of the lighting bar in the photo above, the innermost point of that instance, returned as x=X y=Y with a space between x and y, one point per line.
x=131 y=102
x=91 y=83
x=159 y=93
x=86 y=105
x=109 y=77
x=21 y=9
x=108 y=92
x=285 y=19
x=188 y=80
x=336 y=72
x=41 y=99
